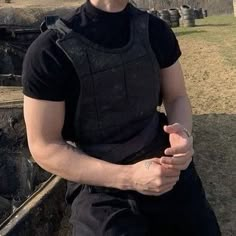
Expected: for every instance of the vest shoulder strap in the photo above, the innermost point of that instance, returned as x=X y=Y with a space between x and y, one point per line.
x=141 y=24
x=55 y=23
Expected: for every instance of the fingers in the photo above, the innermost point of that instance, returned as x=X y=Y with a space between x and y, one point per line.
x=177 y=163
x=169 y=173
x=160 y=191
x=170 y=180
x=165 y=172
x=178 y=167
x=151 y=178
x=179 y=159
x=179 y=149
x=174 y=128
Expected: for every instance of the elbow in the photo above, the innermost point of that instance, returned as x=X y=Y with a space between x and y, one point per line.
x=42 y=153
x=172 y=100
x=38 y=151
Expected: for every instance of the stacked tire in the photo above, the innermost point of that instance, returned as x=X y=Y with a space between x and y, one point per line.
x=205 y=13
x=153 y=12
x=165 y=15
x=174 y=17
x=196 y=14
x=200 y=13
x=187 y=16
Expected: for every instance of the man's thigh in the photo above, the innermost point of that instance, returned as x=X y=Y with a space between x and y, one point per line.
x=183 y=211
x=98 y=213
x=198 y=217
x=199 y=220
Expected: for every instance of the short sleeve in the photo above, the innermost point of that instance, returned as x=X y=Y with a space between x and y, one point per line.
x=45 y=69
x=163 y=42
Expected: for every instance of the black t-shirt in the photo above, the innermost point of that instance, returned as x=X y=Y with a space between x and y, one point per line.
x=49 y=75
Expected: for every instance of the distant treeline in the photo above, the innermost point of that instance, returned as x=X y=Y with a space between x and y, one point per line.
x=213 y=6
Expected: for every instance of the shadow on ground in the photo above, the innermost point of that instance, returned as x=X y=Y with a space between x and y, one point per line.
x=215 y=151
x=189 y=32
x=213 y=25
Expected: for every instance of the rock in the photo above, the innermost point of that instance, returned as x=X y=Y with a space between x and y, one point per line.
x=5 y=208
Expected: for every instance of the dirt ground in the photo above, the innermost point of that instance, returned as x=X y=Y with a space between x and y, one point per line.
x=11 y=97
x=211 y=84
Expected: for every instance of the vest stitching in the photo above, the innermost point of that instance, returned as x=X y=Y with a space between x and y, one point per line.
x=94 y=95
x=118 y=66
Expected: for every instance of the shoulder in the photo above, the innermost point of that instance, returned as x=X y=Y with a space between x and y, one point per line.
x=42 y=49
x=46 y=42
x=45 y=69
x=163 y=42
x=154 y=21
x=158 y=26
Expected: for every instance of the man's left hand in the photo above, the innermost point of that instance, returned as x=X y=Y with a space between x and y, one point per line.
x=179 y=154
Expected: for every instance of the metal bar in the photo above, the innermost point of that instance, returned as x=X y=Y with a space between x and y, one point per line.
x=12 y=103
x=25 y=31
x=10 y=76
x=32 y=202
x=12 y=33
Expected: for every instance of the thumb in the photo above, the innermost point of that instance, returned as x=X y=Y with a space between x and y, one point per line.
x=174 y=128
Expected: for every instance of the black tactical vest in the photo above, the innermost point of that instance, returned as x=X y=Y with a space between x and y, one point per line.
x=116 y=113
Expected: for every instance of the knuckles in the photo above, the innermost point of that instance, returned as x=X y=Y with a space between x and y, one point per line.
x=159 y=172
x=159 y=183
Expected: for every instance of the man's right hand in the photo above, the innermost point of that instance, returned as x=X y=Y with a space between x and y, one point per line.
x=149 y=177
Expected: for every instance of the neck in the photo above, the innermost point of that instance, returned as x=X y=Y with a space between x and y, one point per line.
x=110 y=5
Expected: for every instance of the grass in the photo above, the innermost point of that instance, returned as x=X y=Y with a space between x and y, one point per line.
x=219 y=31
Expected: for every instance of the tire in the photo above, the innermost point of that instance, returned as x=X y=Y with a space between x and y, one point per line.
x=173 y=12
x=188 y=17
x=174 y=18
x=164 y=12
x=186 y=9
x=189 y=23
x=175 y=24
x=196 y=14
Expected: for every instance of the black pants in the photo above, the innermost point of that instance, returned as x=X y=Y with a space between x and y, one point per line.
x=184 y=211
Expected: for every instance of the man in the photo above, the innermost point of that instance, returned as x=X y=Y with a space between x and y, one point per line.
x=96 y=79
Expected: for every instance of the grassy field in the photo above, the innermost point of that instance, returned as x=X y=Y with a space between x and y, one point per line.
x=209 y=65
x=220 y=31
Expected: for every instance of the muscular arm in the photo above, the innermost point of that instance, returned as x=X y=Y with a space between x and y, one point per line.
x=175 y=98
x=179 y=115
x=44 y=122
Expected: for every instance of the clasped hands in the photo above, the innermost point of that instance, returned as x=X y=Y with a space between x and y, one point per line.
x=159 y=175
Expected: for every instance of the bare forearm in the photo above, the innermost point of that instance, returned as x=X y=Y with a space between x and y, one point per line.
x=179 y=111
x=72 y=164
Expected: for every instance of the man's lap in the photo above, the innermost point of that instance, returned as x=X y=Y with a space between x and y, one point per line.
x=101 y=213
x=109 y=212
